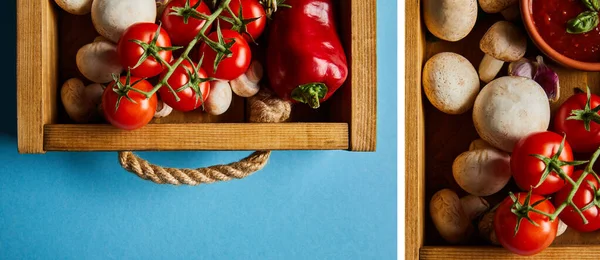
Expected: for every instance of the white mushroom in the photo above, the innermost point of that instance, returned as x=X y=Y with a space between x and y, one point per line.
x=246 y=85
x=162 y=109
x=81 y=102
x=503 y=42
x=219 y=99
x=97 y=61
x=77 y=7
x=450 y=20
x=510 y=108
x=482 y=172
x=451 y=218
x=112 y=17
x=450 y=82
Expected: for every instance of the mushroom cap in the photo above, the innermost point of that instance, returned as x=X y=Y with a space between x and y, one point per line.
x=448 y=216
x=504 y=41
x=76 y=7
x=510 y=108
x=450 y=82
x=112 y=17
x=482 y=172
x=495 y=6
x=97 y=61
x=450 y=20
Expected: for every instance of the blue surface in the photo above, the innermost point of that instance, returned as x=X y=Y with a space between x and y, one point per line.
x=303 y=205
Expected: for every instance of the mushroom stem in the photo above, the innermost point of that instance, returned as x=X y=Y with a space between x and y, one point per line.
x=512 y=13
x=489 y=68
x=474 y=206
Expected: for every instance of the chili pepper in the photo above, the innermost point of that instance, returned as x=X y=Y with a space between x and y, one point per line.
x=305 y=58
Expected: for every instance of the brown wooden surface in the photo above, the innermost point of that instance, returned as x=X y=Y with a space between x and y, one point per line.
x=36 y=72
x=446 y=136
x=361 y=95
x=415 y=136
x=222 y=136
x=488 y=253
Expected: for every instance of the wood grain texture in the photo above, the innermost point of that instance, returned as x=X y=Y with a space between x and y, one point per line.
x=415 y=138
x=207 y=136
x=36 y=72
x=488 y=253
x=363 y=75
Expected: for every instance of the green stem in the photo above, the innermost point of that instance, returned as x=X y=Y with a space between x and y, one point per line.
x=576 y=185
x=189 y=48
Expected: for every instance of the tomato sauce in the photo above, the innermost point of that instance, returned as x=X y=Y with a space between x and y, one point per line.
x=550 y=18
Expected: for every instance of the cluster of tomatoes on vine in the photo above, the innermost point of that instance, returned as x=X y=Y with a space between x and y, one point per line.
x=148 y=50
x=543 y=164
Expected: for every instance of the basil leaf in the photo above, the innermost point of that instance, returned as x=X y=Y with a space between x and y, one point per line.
x=592 y=5
x=583 y=23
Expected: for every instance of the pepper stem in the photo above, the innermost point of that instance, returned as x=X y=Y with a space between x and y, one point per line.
x=310 y=94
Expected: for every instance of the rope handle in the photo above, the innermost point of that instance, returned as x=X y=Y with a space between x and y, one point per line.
x=265 y=107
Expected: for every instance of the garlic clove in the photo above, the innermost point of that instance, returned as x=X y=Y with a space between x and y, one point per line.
x=522 y=68
x=548 y=79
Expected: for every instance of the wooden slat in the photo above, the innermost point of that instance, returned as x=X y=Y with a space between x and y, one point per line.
x=36 y=72
x=222 y=136
x=415 y=133
x=485 y=253
x=363 y=63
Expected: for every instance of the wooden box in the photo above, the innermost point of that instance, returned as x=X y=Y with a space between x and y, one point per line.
x=47 y=42
x=435 y=139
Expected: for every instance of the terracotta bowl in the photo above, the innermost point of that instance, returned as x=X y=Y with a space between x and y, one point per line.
x=527 y=15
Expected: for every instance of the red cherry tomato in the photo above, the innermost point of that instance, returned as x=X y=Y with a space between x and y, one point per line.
x=189 y=94
x=527 y=170
x=129 y=115
x=230 y=67
x=251 y=9
x=580 y=139
x=529 y=239
x=182 y=33
x=130 y=52
x=584 y=196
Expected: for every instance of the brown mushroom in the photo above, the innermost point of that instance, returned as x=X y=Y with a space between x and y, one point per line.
x=452 y=216
x=503 y=42
x=496 y=6
x=81 y=102
x=486 y=227
x=512 y=13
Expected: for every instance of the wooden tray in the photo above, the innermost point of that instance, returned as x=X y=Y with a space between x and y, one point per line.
x=47 y=42
x=435 y=139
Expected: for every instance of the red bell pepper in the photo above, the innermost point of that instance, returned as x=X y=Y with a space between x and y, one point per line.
x=305 y=58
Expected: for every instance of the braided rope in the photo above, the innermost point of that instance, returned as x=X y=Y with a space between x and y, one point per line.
x=264 y=108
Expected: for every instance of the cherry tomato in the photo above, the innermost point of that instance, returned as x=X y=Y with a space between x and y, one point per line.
x=580 y=139
x=130 y=52
x=134 y=110
x=251 y=9
x=230 y=67
x=191 y=95
x=182 y=33
x=529 y=239
x=585 y=195
x=527 y=170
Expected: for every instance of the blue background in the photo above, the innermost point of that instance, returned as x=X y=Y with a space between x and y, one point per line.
x=303 y=205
